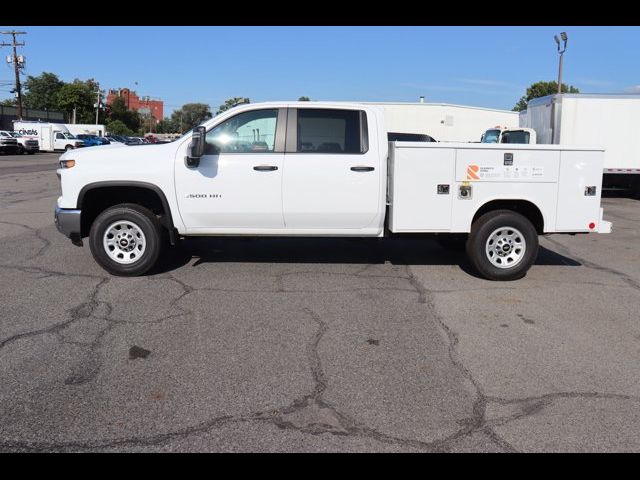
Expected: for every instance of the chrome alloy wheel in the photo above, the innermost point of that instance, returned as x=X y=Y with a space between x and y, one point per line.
x=124 y=242
x=505 y=247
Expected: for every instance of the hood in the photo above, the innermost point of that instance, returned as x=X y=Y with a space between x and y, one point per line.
x=112 y=151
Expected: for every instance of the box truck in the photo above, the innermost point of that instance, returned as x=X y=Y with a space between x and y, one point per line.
x=51 y=137
x=325 y=169
x=86 y=128
x=444 y=122
x=502 y=134
x=609 y=121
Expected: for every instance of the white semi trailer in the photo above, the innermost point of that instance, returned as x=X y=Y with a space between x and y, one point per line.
x=443 y=121
x=610 y=121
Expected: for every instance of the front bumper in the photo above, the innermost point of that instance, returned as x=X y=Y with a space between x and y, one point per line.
x=68 y=223
x=13 y=148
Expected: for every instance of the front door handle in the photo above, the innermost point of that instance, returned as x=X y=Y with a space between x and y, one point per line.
x=265 y=168
x=362 y=169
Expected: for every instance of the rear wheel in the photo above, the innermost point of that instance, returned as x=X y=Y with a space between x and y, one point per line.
x=20 y=150
x=126 y=239
x=502 y=245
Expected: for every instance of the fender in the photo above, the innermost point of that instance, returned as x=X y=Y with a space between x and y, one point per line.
x=515 y=199
x=124 y=183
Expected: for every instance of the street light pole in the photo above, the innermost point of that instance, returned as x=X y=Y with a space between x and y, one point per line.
x=98 y=104
x=561 y=51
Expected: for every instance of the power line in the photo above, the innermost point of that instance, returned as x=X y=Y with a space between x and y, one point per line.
x=18 y=63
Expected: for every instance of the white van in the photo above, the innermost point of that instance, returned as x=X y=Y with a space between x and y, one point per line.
x=51 y=136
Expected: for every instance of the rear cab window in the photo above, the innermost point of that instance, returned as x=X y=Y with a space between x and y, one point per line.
x=334 y=131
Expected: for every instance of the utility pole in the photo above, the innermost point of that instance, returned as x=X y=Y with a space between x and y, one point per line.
x=18 y=63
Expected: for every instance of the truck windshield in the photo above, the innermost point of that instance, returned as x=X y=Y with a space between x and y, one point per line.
x=69 y=136
x=15 y=134
x=517 y=136
x=491 y=136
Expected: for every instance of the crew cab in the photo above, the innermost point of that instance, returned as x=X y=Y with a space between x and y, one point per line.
x=8 y=144
x=325 y=169
x=24 y=144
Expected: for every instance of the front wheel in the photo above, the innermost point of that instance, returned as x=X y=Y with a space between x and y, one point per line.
x=502 y=245
x=126 y=240
x=68 y=147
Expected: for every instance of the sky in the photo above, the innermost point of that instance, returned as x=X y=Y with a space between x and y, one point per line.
x=480 y=66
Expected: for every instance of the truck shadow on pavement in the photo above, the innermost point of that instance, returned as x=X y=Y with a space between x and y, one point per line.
x=397 y=251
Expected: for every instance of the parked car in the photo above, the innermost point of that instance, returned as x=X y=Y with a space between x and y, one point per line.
x=117 y=139
x=90 y=140
x=409 y=137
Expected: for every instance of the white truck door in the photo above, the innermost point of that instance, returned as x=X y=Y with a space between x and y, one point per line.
x=238 y=183
x=332 y=170
x=59 y=142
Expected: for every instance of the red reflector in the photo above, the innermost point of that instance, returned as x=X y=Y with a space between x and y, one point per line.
x=592 y=225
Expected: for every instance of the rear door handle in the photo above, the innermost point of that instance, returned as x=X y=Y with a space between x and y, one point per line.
x=265 y=168
x=362 y=169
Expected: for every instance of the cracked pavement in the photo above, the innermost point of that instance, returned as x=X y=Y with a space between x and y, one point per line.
x=313 y=344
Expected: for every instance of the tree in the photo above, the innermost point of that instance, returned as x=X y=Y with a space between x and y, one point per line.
x=118 y=111
x=166 y=125
x=41 y=92
x=542 y=89
x=304 y=99
x=81 y=95
x=8 y=102
x=190 y=115
x=117 y=127
x=232 y=102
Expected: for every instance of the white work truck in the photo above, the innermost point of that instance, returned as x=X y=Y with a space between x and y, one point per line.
x=51 y=137
x=325 y=169
x=500 y=134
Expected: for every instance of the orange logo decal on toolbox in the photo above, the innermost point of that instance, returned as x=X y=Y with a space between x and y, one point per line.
x=472 y=172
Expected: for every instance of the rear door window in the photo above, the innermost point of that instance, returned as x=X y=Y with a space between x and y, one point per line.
x=331 y=131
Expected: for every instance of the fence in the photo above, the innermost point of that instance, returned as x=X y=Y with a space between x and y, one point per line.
x=9 y=114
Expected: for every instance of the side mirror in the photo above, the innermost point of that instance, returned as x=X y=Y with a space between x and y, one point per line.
x=196 y=147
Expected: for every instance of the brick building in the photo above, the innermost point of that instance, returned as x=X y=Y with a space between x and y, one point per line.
x=133 y=102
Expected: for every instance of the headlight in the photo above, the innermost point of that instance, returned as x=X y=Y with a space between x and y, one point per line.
x=67 y=163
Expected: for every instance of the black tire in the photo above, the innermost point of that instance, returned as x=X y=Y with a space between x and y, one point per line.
x=20 y=150
x=452 y=241
x=141 y=217
x=68 y=147
x=483 y=228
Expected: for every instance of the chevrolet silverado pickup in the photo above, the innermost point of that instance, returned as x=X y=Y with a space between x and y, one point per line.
x=325 y=169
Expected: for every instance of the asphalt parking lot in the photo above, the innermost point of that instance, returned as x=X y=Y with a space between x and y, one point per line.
x=313 y=344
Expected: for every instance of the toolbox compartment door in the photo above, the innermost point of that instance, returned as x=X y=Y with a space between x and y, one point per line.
x=578 y=208
x=421 y=189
